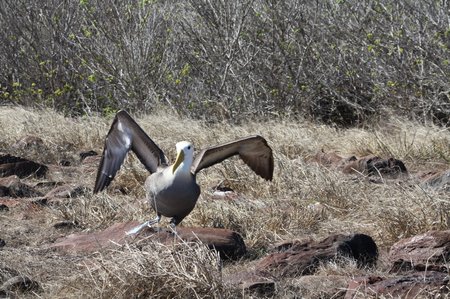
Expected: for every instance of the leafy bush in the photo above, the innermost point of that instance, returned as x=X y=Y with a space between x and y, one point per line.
x=337 y=61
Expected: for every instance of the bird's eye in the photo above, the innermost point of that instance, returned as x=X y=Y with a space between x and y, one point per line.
x=189 y=147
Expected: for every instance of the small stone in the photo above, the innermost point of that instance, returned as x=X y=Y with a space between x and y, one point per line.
x=65 y=224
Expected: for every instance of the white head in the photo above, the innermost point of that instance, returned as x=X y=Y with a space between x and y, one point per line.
x=185 y=157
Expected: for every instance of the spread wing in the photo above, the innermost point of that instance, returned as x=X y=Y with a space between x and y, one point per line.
x=254 y=151
x=124 y=135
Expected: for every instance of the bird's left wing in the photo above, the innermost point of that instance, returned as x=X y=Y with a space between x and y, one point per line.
x=253 y=150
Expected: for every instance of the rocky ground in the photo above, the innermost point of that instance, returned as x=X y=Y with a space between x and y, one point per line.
x=30 y=196
x=350 y=213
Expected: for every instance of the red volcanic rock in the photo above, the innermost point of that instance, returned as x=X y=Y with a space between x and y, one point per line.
x=427 y=251
x=10 y=165
x=228 y=243
x=302 y=258
x=429 y=284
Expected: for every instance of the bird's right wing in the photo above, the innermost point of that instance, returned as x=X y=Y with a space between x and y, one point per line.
x=124 y=135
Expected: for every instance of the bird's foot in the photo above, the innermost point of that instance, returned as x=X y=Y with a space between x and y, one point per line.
x=140 y=227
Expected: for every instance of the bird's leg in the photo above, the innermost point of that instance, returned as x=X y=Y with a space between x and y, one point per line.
x=147 y=223
x=173 y=225
x=156 y=220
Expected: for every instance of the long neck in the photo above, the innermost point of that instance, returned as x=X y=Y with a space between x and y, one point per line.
x=184 y=168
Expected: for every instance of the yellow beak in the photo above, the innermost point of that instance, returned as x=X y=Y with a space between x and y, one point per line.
x=180 y=158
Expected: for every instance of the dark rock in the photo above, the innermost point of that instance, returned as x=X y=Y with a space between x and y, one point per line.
x=3 y=207
x=12 y=187
x=390 y=166
x=47 y=186
x=302 y=258
x=228 y=243
x=84 y=155
x=360 y=247
x=2 y=243
x=65 y=224
x=376 y=166
x=428 y=284
x=431 y=249
x=65 y=162
x=368 y=165
x=11 y=165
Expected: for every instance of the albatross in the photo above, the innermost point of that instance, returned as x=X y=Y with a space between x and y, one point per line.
x=171 y=189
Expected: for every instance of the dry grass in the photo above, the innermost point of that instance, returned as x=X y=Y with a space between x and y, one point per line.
x=304 y=200
x=187 y=270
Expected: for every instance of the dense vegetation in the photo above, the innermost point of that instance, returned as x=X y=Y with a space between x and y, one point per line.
x=340 y=61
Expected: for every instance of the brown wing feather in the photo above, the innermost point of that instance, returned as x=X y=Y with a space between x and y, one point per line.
x=254 y=151
x=125 y=135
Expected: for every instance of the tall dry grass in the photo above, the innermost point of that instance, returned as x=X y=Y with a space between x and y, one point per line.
x=303 y=200
x=187 y=270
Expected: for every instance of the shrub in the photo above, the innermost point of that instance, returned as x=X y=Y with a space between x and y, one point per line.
x=336 y=61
